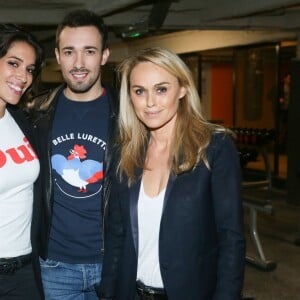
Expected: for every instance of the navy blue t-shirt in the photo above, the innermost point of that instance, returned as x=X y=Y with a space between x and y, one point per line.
x=79 y=136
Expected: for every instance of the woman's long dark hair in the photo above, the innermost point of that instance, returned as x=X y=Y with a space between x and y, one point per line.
x=10 y=33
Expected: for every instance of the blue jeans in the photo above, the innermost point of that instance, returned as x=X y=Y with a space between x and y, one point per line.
x=63 y=281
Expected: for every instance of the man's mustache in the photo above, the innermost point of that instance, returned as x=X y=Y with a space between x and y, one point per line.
x=79 y=70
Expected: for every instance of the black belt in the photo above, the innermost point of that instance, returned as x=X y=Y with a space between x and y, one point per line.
x=9 y=266
x=150 y=293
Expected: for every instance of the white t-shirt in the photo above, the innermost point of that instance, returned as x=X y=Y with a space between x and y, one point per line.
x=149 y=217
x=19 y=168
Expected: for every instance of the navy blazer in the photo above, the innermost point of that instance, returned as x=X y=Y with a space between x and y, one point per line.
x=201 y=241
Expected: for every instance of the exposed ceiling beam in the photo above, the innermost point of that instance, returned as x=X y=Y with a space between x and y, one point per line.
x=199 y=40
x=49 y=12
x=220 y=9
x=104 y=7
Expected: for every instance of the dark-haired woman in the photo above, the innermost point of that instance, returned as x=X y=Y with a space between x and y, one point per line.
x=20 y=61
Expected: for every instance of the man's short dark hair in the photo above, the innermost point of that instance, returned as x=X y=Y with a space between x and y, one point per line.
x=79 y=18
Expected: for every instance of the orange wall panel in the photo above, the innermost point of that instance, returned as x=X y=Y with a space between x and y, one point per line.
x=222 y=93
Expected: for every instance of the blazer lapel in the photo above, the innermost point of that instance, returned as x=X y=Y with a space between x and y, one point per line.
x=23 y=124
x=133 y=203
x=168 y=189
x=134 y=196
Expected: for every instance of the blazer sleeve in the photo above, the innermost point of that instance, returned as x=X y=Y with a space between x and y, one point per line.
x=226 y=193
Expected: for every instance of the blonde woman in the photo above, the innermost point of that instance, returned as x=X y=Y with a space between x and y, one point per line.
x=174 y=217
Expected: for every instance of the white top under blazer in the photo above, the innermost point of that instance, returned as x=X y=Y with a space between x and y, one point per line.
x=149 y=217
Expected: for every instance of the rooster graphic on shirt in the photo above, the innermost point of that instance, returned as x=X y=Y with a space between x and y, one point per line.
x=76 y=170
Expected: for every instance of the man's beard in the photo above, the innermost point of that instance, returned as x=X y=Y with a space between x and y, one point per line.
x=82 y=86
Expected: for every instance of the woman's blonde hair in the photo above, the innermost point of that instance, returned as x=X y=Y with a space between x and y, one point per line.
x=192 y=132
